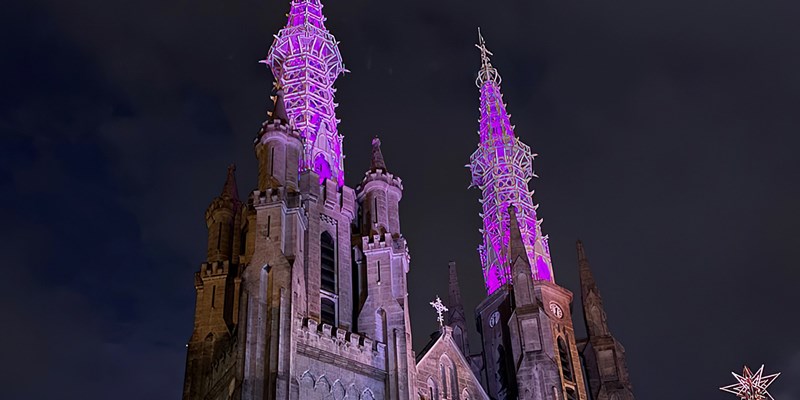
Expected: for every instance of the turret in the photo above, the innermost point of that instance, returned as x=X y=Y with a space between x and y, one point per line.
x=222 y=216
x=379 y=193
x=384 y=262
x=279 y=148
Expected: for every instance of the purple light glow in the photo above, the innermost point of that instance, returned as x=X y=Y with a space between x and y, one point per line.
x=305 y=60
x=501 y=167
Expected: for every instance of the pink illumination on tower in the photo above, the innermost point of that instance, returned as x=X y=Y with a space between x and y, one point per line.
x=305 y=60
x=501 y=168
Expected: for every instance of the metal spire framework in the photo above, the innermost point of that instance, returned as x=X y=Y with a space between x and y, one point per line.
x=440 y=310
x=501 y=168
x=751 y=386
x=305 y=60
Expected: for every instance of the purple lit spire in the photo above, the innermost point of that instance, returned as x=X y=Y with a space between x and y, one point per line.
x=305 y=60
x=501 y=168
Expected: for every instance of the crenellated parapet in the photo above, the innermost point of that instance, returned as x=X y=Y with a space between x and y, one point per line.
x=335 y=342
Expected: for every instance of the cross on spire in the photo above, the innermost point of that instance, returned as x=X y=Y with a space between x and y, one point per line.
x=440 y=309
x=487 y=71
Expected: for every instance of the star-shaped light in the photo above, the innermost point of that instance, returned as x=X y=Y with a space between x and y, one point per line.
x=440 y=308
x=751 y=386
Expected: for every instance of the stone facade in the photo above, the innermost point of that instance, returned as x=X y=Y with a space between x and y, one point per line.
x=303 y=294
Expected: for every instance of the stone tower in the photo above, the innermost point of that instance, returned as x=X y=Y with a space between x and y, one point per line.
x=304 y=293
x=529 y=345
x=604 y=356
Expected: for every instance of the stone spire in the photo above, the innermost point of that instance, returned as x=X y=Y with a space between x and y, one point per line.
x=501 y=168
x=593 y=311
x=377 y=155
x=305 y=60
x=278 y=112
x=230 y=190
x=605 y=364
x=456 y=318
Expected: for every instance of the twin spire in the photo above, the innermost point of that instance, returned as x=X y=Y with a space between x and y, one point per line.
x=501 y=168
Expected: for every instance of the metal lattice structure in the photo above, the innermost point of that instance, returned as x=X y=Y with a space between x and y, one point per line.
x=751 y=386
x=305 y=60
x=501 y=168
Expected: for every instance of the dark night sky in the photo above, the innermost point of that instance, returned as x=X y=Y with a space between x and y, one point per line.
x=667 y=134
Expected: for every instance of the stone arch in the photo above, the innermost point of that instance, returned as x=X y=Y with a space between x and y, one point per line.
x=433 y=388
x=380 y=325
x=465 y=395
x=338 y=390
x=323 y=385
x=307 y=379
x=449 y=376
x=367 y=395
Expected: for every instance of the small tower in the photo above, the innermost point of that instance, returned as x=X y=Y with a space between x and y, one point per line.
x=384 y=263
x=217 y=286
x=604 y=356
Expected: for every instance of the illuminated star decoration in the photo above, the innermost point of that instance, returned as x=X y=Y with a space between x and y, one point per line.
x=751 y=386
x=440 y=308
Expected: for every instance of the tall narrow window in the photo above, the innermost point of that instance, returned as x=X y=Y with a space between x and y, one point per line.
x=269 y=223
x=219 y=235
x=328 y=263
x=213 y=295
x=566 y=360
x=272 y=163
x=571 y=394
x=328 y=298
x=375 y=208
x=379 y=272
x=328 y=311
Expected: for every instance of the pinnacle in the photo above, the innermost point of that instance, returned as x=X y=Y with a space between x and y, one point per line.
x=377 y=155
x=230 y=189
x=581 y=252
x=279 y=111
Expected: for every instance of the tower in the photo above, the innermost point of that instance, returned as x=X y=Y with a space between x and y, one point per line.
x=304 y=292
x=525 y=323
x=604 y=356
x=216 y=285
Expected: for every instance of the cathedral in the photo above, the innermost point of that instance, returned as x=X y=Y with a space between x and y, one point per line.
x=304 y=295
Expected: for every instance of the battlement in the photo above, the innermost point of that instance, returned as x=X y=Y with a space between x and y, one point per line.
x=340 y=342
x=379 y=175
x=275 y=128
x=387 y=240
x=214 y=269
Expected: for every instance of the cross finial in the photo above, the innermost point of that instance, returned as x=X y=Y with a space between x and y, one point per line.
x=440 y=309
x=487 y=72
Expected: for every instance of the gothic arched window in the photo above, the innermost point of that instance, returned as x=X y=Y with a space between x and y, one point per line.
x=327 y=263
x=432 y=389
x=566 y=360
x=328 y=297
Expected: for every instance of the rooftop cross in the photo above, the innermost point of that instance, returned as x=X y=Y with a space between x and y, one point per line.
x=751 y=386
x=440 y=309
x=487 y=72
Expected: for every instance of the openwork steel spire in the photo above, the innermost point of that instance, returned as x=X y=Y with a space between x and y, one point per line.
x=305 y=60
x=501 y=168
